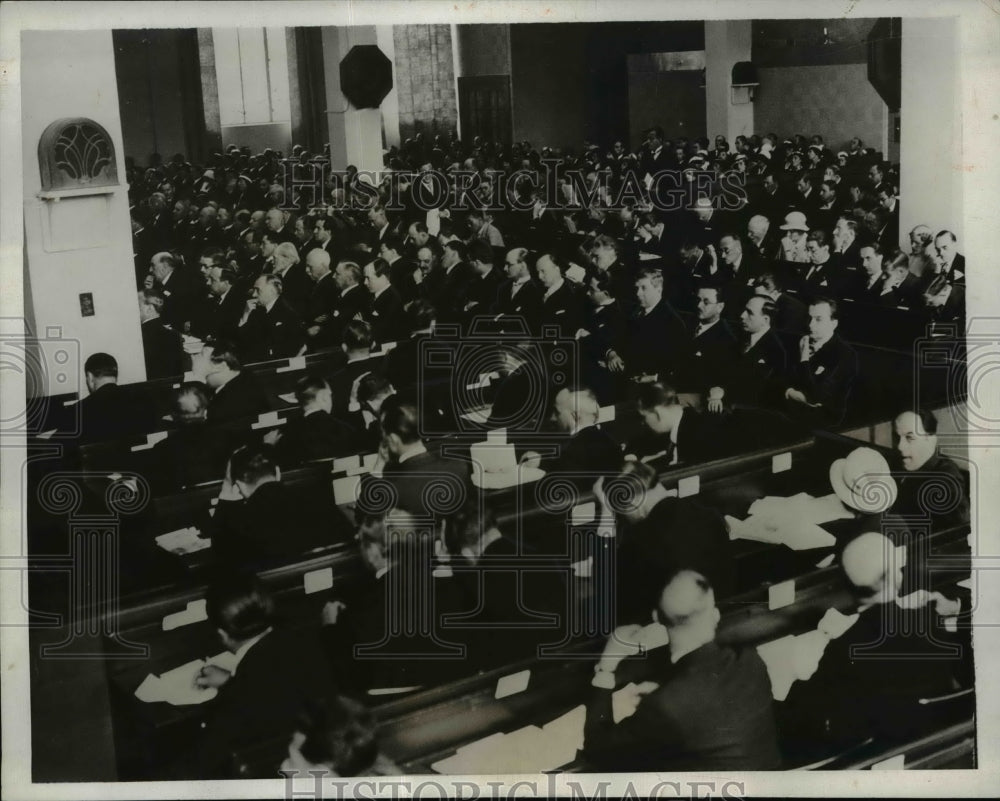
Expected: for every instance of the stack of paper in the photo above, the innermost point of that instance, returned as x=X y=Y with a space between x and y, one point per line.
x=793 y=521
x=177 y=687
x=183 y=541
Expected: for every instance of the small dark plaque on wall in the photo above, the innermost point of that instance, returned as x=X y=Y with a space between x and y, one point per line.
x=86 y=304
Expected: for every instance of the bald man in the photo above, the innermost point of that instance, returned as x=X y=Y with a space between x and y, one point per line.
x=320 y=331
x=587 y=452
x=709 y=707
x=871 y=677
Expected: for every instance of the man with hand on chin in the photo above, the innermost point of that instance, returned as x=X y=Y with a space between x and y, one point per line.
x=826 y=372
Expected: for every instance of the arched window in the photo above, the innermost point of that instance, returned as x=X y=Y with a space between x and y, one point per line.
x=76 y=153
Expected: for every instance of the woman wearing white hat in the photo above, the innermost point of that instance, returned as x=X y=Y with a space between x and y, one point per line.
x=793 y=244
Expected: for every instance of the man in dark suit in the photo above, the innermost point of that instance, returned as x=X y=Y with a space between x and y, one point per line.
x=270 y=327
x=562 y=307
x=683 y=434
x=587 y=451
x=823 y=276
x=162 y=348
x=482 y=288
x=711 y=707
x=377 y=637
x=357 y=347
x=181 y=289
x=870 y=679
x=791 y=315
x=223 y=307
x=450 y=293
x=607 y=260
x=236 y=393
x=711 y=347
x=426 y=484
x=317 y=434
x=603 y=333
x=928 y=474
x=519 y=301
x=258 y=521
x=109 y=412
x=846 y=255
x=952 y=262
x=277 y=673
x=295 y=283
x=401 y=269
x=194 y=452
x=827 y=368
x=321 y=301
x=757 y=376
x=353 y=302
x=386 y=315
x=656 y=333
x=322 y=239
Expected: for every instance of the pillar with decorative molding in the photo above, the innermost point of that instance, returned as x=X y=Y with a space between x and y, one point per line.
x=727 y=42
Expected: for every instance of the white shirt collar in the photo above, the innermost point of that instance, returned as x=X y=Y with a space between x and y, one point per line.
x=703 y=327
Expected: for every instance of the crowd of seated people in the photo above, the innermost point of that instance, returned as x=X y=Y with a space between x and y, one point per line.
x=713 y=317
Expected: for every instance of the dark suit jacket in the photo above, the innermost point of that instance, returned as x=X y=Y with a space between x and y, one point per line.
x=525 y=304
x=825 y=280
x=590 y=452
x=346 y=306
x=163 y=350
x=343 y=382
x=865 y=686
x=517 y=405
x=939 y=478
x=563 y=309
x=274 y=334
x=655 y=340
x=112 y=412
x=448 y=297
x=791 y=315
x=220 y=320
x=483 y=292
x=273 y=525
x=296 y=287
x=317 y=435
x=192 y=454
x=367 y=652
x=427 y=484
x=276 y=677
x=387 y=318
x=181 y=294
x=707 y=360
x=319 y=308
x=757 y=376
x=678 y=533
x=712 y=711
x=827 y=378
x=240 y=398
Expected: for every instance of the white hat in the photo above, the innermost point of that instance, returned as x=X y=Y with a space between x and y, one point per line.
x=795 y=221
x=863 y=481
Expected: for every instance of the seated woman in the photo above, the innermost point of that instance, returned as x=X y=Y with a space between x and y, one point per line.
x=337 y=735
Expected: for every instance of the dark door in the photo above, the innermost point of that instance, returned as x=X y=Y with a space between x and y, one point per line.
x=484 y=106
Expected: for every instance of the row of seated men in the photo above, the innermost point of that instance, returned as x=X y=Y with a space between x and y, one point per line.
x=705 y=706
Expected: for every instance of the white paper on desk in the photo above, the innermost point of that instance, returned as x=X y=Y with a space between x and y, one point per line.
x=289 y=397
x=345 y=490
x=522 y=475
x=346 y=463
x=780 y=530
x=526 y=750
x=835 y=623
x=803 y=507
x=295 y=363
x=267 y=420
x=480 y=416
x=897 y=762
x=150 y=691
x=183 y=541
x=606 y=414
x=317 y=580
x=198 y=610
x=583 y=513
x=567 y=730
x=513 y=684
x=643 y=256
x=47 y=434
x=179 y=688
x=688 y=486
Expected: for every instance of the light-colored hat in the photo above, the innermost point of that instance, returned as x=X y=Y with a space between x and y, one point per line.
x=795 y=221
x=863 y=481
